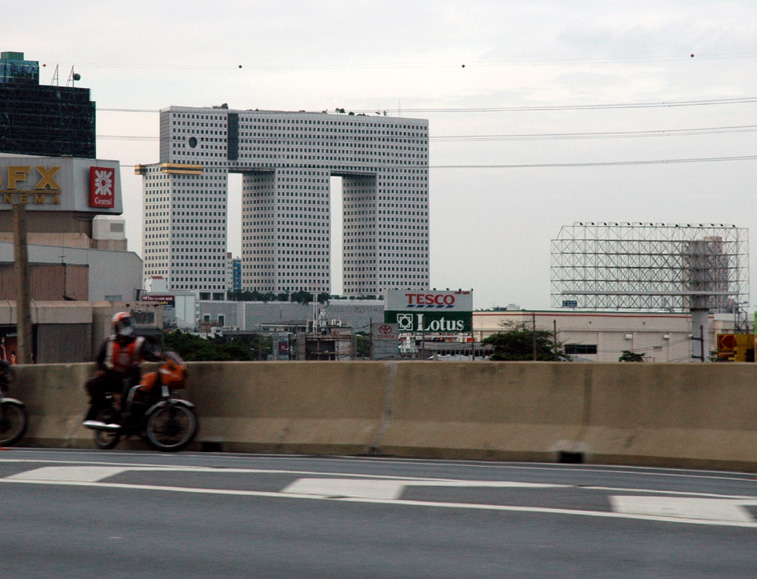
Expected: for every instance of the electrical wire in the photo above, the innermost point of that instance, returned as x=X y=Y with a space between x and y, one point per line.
x=523 y=137
x=589 y=107
x=557 y=165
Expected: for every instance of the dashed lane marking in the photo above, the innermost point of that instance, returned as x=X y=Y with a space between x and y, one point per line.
x=68 y=473
x=690 y=510
x=390 y=489
x=685 y=508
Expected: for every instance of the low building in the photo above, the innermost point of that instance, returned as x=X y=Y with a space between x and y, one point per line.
x=71 y=332
x=604 y=336
x=591 y=336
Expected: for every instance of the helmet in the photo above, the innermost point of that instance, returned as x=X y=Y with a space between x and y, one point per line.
x=123 y=325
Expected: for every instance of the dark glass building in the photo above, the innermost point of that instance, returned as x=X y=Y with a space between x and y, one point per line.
x=40 y=119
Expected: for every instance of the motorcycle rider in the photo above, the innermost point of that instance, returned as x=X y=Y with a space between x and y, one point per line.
x=118 y=363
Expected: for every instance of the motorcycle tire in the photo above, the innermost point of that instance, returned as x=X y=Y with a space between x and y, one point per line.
x=107 y=439
x=14 y=422
x=172 y=427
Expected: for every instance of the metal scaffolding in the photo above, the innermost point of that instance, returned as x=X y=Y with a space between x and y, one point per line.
x=650 y=266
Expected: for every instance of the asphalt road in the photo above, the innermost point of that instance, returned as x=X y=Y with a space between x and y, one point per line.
x=81 y=514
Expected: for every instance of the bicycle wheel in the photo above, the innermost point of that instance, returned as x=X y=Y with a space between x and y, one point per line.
x=13 y=423
x=107 y=439
x=171 y=428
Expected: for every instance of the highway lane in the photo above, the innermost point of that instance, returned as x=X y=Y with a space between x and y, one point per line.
x=127 y=514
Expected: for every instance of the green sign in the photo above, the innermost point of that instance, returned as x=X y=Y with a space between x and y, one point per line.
x=429 y=321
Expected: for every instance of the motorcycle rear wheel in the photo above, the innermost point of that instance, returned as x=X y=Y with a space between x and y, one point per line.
x=14 y=422
x=171 y=428
x=107 y=439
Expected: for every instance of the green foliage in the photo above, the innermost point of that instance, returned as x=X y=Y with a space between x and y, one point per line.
x=251 y=296
x=628 y=356
x=217 y=349
x=362 y=346
x=516 y=343
x=301 y=297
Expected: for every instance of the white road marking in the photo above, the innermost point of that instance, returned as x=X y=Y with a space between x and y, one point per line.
x=685 y=508
x=390 y=489
x=430 y=504
x=68 y=473
x=353 y=488
x=688 y=509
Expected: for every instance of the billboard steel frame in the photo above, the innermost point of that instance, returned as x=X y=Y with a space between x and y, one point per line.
x=650 y=266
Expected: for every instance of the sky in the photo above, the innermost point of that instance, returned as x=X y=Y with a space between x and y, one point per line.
x=541 y=113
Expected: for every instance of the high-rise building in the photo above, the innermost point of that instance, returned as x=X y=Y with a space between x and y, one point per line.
x=36 y=119
x=287 y=160
x=233 y=273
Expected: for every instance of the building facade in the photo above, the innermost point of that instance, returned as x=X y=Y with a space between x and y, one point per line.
x=287 y=160
x=233 y=273
x=595 y=336
x=40 y=119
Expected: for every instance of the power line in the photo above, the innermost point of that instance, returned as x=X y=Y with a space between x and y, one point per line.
x=530 y=137
x=589 y=107
x=562 y=165
x=599 y=135
x=600 y=164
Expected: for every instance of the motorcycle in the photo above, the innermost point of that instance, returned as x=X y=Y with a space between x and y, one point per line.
x=14 y=419
x=153 y=412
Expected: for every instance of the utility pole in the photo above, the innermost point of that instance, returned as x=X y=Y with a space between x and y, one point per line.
x=554 y=330
x=23 y=295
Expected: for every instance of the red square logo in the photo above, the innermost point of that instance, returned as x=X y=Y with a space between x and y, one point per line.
x=102 y=187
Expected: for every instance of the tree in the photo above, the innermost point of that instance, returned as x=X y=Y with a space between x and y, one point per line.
x=251 y=296
x=362 y=345
x=516 y=342
x=628 y=356
x=217 y=349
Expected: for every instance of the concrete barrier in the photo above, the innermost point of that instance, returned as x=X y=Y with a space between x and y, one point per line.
x=300 y=407
x=688 y=415
x=677 y=415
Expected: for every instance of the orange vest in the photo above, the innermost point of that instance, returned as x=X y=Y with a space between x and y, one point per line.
x=121 y=357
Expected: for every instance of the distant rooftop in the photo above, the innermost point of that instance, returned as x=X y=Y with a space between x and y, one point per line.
x=13 y=68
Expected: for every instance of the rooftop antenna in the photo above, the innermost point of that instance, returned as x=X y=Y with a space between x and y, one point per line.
x=72 y=77
x=54 y=81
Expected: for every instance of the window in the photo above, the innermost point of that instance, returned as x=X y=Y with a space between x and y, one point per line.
x=573 y=349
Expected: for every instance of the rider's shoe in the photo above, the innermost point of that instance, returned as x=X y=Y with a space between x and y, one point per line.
x=93 y=424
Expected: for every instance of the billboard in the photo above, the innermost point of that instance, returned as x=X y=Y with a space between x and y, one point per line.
x=385 y=344
x=60 y=184
x=429 y=311
x=102 y=183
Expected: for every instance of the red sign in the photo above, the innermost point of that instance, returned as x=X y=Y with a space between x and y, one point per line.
x=385 y=332
x=102 y=187
x=430 y=299
x=166 y=300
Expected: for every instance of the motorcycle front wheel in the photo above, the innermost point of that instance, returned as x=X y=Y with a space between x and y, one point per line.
x=13 y=423
x=171 y=428
x=107 y=439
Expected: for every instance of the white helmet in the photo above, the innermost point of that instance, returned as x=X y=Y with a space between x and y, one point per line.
x=123 y=324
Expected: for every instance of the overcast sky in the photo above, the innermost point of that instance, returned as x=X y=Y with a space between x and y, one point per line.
x=505 y=85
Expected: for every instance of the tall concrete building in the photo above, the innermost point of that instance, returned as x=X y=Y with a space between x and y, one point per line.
x=287 y=160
